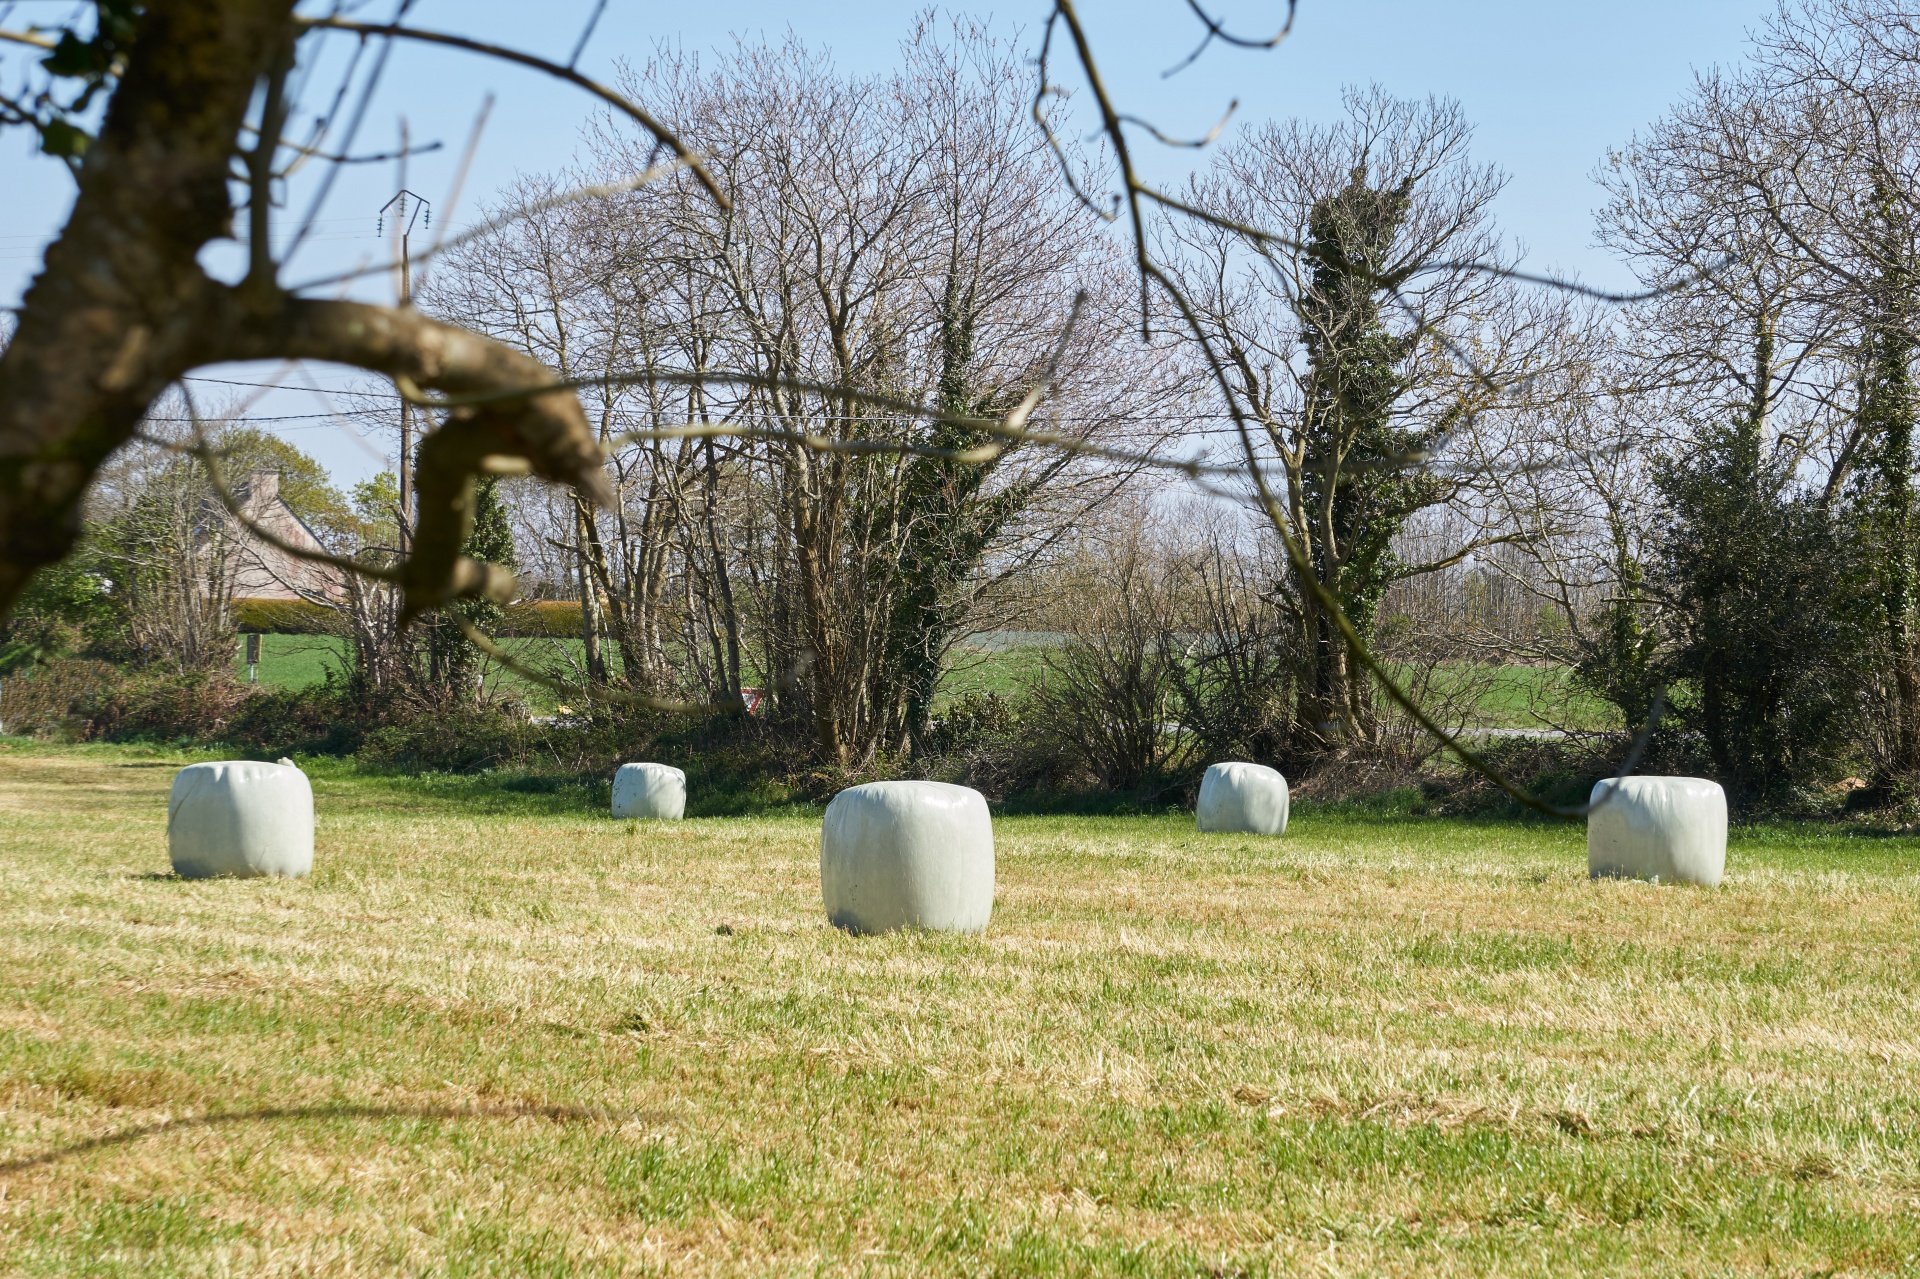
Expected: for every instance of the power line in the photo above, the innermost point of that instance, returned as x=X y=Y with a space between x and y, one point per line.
x=1172 y=419
x=274 y=386
x=249 y=419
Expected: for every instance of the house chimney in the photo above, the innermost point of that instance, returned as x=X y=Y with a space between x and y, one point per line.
x=262 y=488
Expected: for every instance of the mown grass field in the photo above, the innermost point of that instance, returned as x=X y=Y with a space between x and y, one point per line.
x=501 y=1034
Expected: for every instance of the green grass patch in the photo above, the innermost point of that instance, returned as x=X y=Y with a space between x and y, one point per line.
x=295 y=661
x=1504 y=696
x=301 y=661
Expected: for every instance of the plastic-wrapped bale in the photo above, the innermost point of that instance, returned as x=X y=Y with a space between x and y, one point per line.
x=1249 y=799
x=907 y=855
x=237 y=817
x=650 y=791
x=1667 y=829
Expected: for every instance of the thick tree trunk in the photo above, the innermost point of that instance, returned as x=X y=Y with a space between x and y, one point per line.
x=116 y=312
x=1906 y=680
x=1333 y=702
x=589 y=596
x=723 y=584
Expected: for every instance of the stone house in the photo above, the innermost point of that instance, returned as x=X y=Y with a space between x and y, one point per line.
x=262 y=571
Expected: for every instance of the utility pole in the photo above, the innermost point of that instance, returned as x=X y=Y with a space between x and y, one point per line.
x=406 y=206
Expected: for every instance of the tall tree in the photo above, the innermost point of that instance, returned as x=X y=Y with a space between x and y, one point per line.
x=1355 y=448
x=455 y=667
x=1341 y=337
x=896 y=239
x=1778 y=209
x=1771 y=616
x=1884 y=491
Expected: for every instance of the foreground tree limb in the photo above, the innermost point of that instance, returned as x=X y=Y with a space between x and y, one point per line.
x=546 y=428
x=123 y=308
x=112 y=318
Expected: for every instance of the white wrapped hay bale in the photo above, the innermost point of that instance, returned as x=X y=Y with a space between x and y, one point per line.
x=237 y=817
x=650 y=791
x=1248 y=799
x=1668 y=829
x=907 y=855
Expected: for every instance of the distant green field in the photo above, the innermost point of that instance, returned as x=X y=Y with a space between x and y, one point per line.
x=1532 y=697
x=299 y=661
x=295 y=661
x=1512 y=696
x=979 y=672
x=1526 y=697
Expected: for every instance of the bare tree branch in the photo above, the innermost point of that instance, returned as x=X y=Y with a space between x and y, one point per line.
x=661 y=134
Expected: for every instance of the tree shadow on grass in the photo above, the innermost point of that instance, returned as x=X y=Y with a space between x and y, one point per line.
x=273 y=1114
x=501 y=793
x=524 y=793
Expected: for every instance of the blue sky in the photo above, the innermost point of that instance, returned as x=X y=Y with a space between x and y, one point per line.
x=1550 y=85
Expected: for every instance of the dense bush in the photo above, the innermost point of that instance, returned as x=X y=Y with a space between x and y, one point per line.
x=468 y=740
x=1001 y=746
x=192 y=707
x=66 y=611
x=530 y=619
x=54 y=698
x=1772 y=648
x=1561 y=772
x=285 y=617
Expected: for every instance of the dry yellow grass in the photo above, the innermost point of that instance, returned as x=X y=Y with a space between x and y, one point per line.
x=491 y=1039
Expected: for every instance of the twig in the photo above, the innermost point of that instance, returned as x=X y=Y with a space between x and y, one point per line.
x=33 y=39
x=580 y=46
x=664 y=136
x=1006 y=429
x=499 y=221
x=1216 y=31
x=451 y=204
x=353 y=129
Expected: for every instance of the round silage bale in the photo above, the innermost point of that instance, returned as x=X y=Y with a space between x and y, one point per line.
x=907 y=855
x=1672 y=830
x=650 y=791
x=1669 y=830
x=241 y=818
x=1240 y=798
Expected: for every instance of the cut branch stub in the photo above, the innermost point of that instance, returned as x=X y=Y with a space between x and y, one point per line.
x=546 y=427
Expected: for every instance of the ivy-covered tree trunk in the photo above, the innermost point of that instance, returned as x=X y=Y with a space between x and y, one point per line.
x=1616 y=664
x=945 y=522
x=455 y=666
x=1886 y=409
x=1356 y=492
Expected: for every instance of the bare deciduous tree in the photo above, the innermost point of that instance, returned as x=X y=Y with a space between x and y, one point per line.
x=891 y=241
x=1346 y=340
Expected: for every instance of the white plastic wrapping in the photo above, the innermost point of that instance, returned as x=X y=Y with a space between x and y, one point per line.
x=1668 y=829
x=650 y=791
x=1240 y=798
x=907 y=855
x=237 y=817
